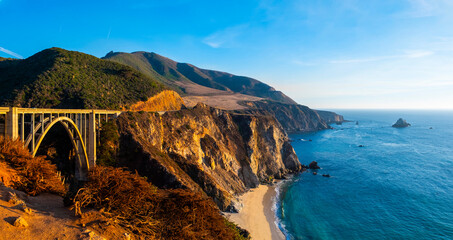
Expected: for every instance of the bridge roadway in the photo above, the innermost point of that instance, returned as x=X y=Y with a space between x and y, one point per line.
x=82 y=125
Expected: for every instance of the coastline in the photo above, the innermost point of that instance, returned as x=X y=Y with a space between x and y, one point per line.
x=258 y=215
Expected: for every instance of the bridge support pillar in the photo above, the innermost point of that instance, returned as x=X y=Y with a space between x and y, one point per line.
x=91 y=145
x=12 y=123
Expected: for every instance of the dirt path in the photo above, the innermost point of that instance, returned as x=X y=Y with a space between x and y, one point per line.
x=49 y=218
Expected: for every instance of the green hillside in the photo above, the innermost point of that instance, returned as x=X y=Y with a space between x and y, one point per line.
x=57 y=78
x=176 y=74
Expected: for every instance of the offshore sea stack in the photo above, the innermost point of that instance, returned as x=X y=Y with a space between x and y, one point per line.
x=313 y=165
x=401 y=123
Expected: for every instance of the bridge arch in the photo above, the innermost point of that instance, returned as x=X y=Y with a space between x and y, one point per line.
x=31 y=125
x=82 y=164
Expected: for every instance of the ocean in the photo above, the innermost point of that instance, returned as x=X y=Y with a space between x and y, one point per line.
x=399 y=185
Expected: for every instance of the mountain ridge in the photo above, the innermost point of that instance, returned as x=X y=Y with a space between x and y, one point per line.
x=181 y=74
x=227 y=91
x=58 y=78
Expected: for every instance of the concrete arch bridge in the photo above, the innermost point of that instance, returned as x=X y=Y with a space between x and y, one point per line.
x=31 y=125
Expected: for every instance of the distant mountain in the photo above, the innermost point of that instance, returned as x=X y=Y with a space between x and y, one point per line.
x=66 y=79
x=184 y=76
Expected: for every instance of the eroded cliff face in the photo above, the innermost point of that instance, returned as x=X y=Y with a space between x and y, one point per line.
x=292 y=117
x=206 y=149
x=330 y=117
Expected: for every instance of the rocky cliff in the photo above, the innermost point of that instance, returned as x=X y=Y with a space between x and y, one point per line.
x=292 y=117
x=330 y=117
x=205 y=149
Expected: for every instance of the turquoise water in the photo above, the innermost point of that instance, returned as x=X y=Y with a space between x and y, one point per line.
x=398 y=186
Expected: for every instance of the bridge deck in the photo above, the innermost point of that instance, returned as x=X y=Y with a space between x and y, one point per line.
x=5 y=110
x=48 y=110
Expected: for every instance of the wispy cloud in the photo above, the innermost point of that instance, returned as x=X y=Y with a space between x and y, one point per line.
x=427 y=8
x=108 y=34
x=406 y=55
x=421 y=8
x=227 y=35
x=360 y=60
x=303 y=63
x=10 y=52
x=417 y=54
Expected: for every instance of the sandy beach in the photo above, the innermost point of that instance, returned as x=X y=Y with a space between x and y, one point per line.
x=257 y=215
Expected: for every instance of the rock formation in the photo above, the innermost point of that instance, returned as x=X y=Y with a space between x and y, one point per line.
x=313 y=165
x=330 y=117
x=401 y=123
x=292 y=117
x=206 y=149
x=20 y=222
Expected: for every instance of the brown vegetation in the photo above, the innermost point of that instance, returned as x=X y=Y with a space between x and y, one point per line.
x=150 y=213
x=7 y=175
x=127 y=203
x=35 y=174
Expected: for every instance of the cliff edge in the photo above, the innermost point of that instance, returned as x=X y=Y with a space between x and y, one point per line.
x=330 y=117
x=293 y=117
x=205 y=149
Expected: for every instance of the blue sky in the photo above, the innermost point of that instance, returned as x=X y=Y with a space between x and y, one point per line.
x=324 y=54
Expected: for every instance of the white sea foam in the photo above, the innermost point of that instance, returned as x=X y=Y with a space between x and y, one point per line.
x=276 y=202
x=395 y=144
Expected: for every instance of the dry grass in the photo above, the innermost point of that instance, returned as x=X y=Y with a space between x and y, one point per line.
x=150 y=213
x=166 y=100
x=36 y=174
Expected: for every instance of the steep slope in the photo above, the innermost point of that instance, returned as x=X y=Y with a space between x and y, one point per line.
x=219 y=152
x=185 y=75
x=226 y=91
x=292 y=117
x=330 y=117
x=151 y=64
x=66 y=79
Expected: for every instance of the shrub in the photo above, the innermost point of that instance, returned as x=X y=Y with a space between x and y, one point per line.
x=148 y=212
x=124 y=196
x=187 y=215
x=239 y=233
x=36 y=174
x=109 y=140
